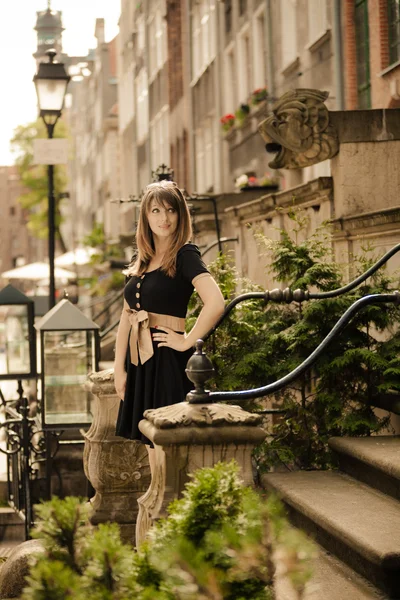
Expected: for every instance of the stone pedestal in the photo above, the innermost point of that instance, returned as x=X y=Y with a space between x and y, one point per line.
x=187 y=437
x=118 y=469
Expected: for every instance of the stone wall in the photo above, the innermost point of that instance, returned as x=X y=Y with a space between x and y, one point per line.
x=361 y=198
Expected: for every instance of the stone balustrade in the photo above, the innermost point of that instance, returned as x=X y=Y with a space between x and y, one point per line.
x=117 y=468
x=187 y=437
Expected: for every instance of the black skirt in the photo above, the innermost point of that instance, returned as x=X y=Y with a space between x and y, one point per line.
x=161 y=381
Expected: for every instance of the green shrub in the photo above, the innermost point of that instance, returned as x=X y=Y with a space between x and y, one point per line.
x=220 y=540
x=258 y=344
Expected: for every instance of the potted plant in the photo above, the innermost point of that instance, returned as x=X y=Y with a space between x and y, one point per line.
x=227 y=122
x=258 y=96
x=268 y=180
x=242 y=112
x=249 y=181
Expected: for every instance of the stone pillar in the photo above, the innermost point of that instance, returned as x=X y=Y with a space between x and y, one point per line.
x=187 y=437
x=118 y=469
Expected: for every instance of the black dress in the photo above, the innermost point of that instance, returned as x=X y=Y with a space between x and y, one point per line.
x=161 y=380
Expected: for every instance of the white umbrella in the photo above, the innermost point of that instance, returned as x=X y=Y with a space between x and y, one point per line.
x=79 y=256
x=37 y=271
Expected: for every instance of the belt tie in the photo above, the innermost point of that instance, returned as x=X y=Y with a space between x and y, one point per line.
x=140 y=341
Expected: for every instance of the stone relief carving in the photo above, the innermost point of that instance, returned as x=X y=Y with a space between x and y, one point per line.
x=184 y=414
x=299 y=130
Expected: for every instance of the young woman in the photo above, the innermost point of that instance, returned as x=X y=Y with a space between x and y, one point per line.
x=152 y=348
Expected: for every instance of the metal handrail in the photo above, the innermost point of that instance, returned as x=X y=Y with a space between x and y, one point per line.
x=308 y=362
x=287 y=295
x=108 y=330
x=218 y=243
x=115 y=299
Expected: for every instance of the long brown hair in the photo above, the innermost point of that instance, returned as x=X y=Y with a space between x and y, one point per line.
x=168 y=195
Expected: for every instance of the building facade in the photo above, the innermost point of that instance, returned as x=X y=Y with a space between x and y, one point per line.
x=92 y=117
x=18 y=246
x=371 y=53
x=182 y=65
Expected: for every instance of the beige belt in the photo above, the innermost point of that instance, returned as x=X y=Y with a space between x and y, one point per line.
x=140 y=343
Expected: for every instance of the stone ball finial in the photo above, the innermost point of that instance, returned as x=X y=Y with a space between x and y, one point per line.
x=299 y=130
x=199 y=370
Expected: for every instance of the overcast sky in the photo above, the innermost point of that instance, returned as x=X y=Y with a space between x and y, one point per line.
x=18 y=43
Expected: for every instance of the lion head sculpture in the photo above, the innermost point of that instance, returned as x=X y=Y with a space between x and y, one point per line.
x=299 y=131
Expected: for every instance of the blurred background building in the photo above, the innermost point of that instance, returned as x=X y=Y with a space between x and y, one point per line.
x=158 y=91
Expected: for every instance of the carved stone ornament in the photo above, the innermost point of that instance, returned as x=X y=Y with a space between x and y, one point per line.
x=299 y=130
x=184 y=414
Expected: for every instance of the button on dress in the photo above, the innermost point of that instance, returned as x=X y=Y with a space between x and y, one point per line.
x=161 y=380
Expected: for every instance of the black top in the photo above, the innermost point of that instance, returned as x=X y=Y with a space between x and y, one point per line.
x=158 y=293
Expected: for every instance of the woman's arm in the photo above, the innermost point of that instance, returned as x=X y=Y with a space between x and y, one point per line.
x=121 y=346
x=213 y=307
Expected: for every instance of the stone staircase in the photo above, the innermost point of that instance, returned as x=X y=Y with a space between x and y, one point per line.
x=12 y=532
x=353 y=513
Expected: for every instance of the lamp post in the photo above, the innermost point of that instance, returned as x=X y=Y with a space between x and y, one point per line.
x=51 y=81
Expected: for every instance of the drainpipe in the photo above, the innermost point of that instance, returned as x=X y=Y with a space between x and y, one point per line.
x=218 y=82
x=270 y=55
x=338 y=54
x=188 y=76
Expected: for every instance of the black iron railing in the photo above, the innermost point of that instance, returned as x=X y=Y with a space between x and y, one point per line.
x=199 y=368
x=287 y=295
x=25 y=450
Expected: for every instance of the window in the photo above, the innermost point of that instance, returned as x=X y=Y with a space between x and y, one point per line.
x=288 y=31
x=362 y=54
x=12 y=211
x=317 y=19
x=244 y=64
x=203 y=35
x=242 y=7
x=159 y=139
x=228 y=16
x=204 y=158
x=229 y=81
x=260 y=51
x=157 y=42
x=394 y=30
x=142 y=105
x=141 y=35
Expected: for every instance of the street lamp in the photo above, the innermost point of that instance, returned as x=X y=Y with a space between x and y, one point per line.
x=51 y=81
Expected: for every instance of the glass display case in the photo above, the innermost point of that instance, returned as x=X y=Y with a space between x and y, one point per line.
x=69 y=351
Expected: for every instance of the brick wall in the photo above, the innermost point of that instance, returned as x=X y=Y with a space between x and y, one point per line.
x=349 y=54
x=381 y=96
x=379 y=51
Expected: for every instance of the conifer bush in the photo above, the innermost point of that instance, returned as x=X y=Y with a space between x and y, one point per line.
x=258 y=344
x=220 y=541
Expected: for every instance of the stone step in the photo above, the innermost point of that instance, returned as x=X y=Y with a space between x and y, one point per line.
x=6 y=548
x=12 y=527
x=356 y=523
x=331 y=580
x=374 y=460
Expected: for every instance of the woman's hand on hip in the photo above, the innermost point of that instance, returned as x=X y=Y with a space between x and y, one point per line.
x=120 y=382
x=169 y=338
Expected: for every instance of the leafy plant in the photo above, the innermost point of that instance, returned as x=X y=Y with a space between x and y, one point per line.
x=259 y=344
x=220 y=541
x=34 y=179
x=103 y=282
x=227 y=122
x=242 y=112
x=258 y=95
